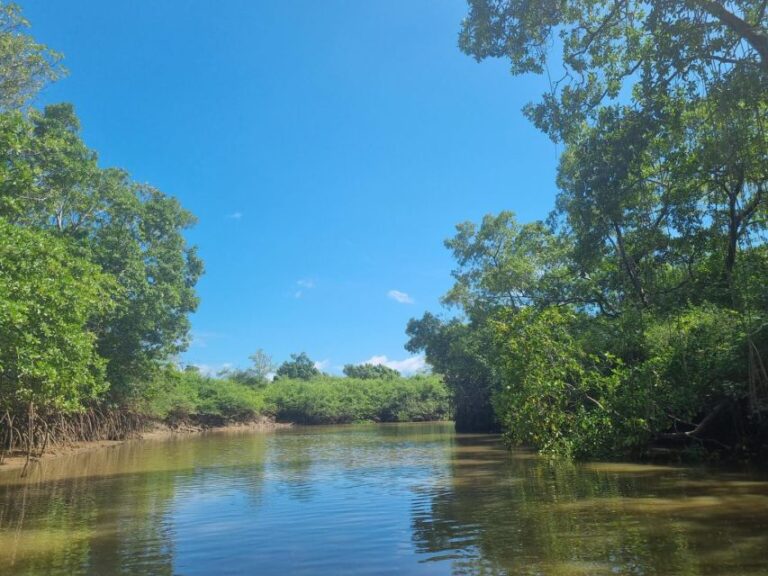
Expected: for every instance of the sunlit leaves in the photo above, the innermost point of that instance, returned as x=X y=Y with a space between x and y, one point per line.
x=50 y=302
x=25 y=65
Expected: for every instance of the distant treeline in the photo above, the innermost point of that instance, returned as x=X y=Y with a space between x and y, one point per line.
x=636 y=316
x=296 y=391
x=192 y=397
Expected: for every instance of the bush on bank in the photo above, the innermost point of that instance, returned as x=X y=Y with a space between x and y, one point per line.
x=330 y=400
x=190 y=396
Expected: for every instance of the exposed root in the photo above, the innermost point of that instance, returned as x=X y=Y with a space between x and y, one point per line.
x=32 y=433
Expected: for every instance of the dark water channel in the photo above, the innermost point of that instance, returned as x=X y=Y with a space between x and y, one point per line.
x=393 y=499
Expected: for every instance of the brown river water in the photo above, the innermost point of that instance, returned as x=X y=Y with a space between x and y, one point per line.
x=373 y=499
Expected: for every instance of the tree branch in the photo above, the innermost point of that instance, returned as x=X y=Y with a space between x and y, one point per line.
x=753 y=34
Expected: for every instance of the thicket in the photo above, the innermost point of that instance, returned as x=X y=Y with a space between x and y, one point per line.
x=636 y=316
x=189 y=396
x=333 y=400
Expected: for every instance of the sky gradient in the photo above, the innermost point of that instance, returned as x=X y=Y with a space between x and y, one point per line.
x=327 y=148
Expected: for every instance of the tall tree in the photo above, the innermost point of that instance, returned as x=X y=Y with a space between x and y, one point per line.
x=462 y=354
x=257 y=374
x=505 y=264
x=49 y=179
x=662 y=109
x=299 y=367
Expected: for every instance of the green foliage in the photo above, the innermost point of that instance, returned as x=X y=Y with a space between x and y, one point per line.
x=329 y=400
x=50 y=180
x=98 y=280
x=637 y=315
x=557 y=396
x=50 y=301
x=596 y=367
x=610 y=49
x=187 y=395
x=299 y=367
x=190 y=396
x=25 y=65
x=505 y=264
x=257 y=375
x=459 y=353
x=370 y=372
x=566 y=392
x=695 y=361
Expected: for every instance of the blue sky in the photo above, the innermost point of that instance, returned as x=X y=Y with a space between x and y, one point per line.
x=327 y=147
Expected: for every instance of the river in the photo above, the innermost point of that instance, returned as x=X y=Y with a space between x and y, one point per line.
x=407 y=499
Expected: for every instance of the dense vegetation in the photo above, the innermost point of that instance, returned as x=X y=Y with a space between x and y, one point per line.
x=329 y=400
x=370 y=371
x=193 y=397
x=637 y=314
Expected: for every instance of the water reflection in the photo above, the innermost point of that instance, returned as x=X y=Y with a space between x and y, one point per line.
x=108 y=511
x=406 y=499
x=518 y=514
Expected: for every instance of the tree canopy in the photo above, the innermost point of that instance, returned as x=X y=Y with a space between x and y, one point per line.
x=258 y=374
x=594 y=52
x=50 y=180
x=51 y=299
x=370 y=371
x=299 y=367
x=636 y=315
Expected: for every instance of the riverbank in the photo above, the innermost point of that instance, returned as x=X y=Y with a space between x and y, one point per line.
x=155 y=431
x=178 y=403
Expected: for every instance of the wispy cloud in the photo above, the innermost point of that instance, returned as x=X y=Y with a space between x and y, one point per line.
x=400 y=297
x=303 y=285
x=235 y=216
x=213 y=369
x=408 y=366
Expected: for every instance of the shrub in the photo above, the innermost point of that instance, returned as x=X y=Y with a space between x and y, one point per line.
x=329 y=400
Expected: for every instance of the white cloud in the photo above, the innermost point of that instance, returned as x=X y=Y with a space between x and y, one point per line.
x=304 y=284
x=400 y=297
x=408 y=366
x=235 y=215
x=213 y=369
x=323 y=365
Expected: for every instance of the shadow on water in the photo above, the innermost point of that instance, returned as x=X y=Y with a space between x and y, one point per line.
x=356 y=500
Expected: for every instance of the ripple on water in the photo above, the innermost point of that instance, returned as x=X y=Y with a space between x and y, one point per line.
x=373 y=500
